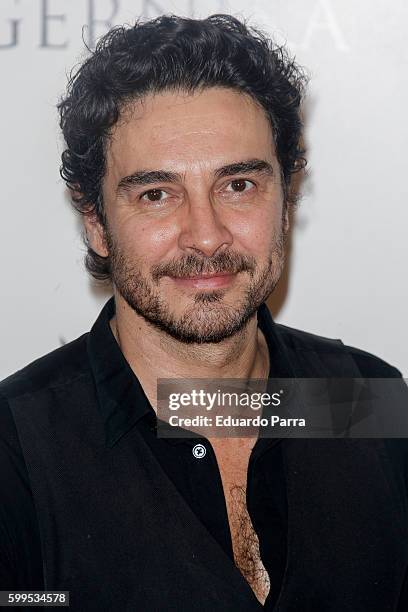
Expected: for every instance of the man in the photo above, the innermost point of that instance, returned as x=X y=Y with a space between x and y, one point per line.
x=182 y=137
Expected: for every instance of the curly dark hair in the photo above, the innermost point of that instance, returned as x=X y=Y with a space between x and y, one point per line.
x=172 y=53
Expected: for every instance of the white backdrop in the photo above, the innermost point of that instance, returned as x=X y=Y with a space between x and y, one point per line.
x=346 y=275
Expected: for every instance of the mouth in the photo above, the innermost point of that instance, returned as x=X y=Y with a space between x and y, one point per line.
x=205 y=281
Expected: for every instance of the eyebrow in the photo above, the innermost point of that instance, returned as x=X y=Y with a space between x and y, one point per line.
x=147 y=177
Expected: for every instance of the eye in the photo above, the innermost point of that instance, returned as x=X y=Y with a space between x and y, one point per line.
x=153 y=195
x=240 y=185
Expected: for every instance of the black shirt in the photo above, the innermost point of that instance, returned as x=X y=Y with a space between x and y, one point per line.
x=197 y=480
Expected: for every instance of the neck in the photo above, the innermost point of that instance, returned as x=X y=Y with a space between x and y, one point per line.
x=153 y=354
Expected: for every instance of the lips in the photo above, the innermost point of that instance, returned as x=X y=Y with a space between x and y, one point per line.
x=207 y=275
x=206 y=281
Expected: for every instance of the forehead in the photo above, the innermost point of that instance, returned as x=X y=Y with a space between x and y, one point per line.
x=181 y=132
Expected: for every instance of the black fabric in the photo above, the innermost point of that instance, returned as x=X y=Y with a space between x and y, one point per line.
x=88 y=433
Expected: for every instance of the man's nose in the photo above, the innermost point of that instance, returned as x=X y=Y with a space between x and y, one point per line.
x=203 y=228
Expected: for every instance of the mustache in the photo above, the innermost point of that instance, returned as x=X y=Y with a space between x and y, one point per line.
x=191 y=265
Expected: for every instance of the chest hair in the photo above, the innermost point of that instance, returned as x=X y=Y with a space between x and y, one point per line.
x=232 y=457
x=245 y=542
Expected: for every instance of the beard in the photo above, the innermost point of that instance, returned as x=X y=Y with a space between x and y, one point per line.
x=210 y=317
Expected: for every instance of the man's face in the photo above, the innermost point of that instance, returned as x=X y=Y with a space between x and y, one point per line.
x=195 y=212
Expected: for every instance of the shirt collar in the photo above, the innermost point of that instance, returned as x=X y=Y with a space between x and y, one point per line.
x=122 y=400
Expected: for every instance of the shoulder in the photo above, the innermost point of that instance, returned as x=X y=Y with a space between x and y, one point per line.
x=302 y=342
x=372 y=365
x=60 y=366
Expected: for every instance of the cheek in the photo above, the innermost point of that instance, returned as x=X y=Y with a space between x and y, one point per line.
x=255 y=233
x=147 y=239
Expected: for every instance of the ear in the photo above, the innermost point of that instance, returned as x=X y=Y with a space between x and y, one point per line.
x=286 y=222
x=95 y=234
